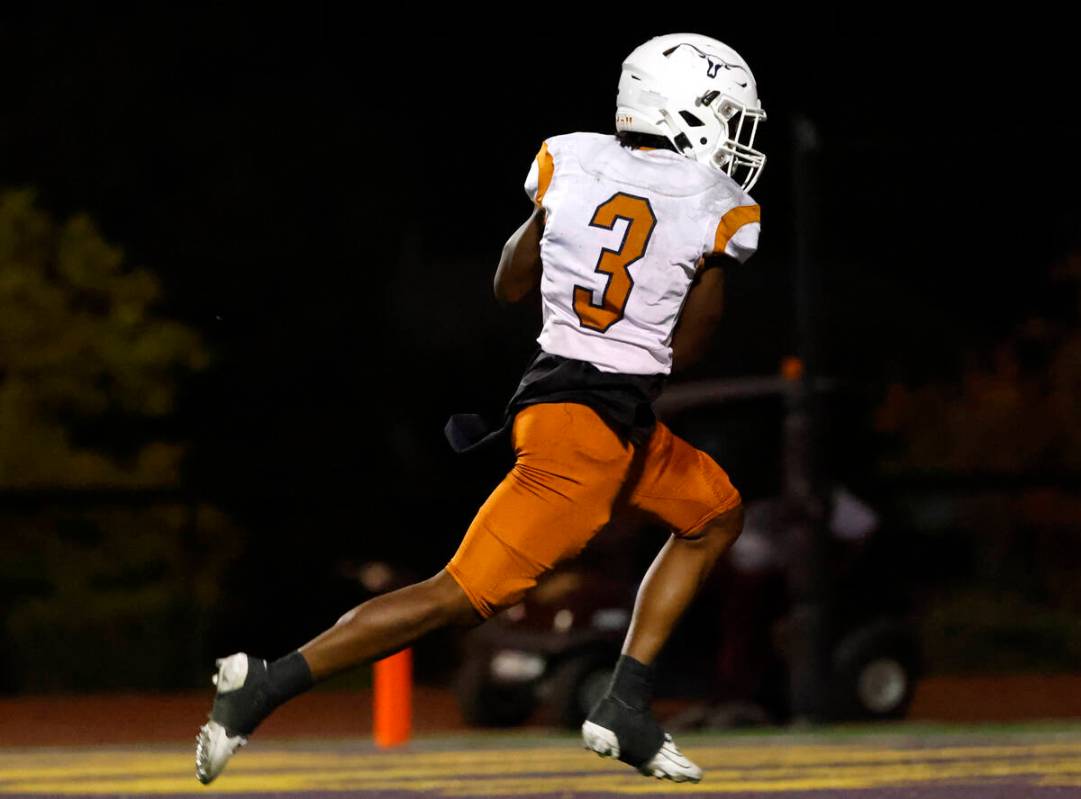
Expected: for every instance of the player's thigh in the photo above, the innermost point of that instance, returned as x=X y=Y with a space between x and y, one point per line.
x=569 y=469
x=681 y=486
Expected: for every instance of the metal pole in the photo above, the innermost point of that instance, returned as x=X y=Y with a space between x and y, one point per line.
x=808 y=581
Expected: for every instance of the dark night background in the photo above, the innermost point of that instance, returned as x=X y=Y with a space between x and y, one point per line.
x=323 y=198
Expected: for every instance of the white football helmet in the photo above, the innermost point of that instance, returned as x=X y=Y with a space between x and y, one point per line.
x=700 y=95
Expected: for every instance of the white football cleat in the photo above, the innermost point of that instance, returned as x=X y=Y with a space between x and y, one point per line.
x=213 y=749
x=671 y=764
x=667 y=764
x=233 y=710
x=597 y=739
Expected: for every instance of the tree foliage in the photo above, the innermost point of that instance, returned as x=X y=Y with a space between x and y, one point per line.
x=100 y=594
x=79 y=340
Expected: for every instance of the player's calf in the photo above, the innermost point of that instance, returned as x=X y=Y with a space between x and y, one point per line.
x=248 y=689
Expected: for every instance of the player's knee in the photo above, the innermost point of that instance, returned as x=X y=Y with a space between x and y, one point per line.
x=723 y=530
x=450 y=603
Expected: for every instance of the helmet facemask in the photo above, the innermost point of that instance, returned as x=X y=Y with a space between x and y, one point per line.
x=735 y=154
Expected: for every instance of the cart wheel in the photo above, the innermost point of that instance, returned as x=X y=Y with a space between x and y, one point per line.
x=876 y=669
x=577 y=685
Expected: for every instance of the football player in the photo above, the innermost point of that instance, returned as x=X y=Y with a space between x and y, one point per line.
x=626 y=244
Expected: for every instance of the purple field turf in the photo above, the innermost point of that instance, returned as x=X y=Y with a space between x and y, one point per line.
x=903 y=763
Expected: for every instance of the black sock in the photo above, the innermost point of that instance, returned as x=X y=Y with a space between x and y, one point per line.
x=289 y=676
x=632 y=683
x=625 y=711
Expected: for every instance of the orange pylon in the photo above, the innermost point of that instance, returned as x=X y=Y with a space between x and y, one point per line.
x=393 y=678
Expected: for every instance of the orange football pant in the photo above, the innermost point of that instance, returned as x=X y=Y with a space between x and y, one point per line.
x=571 y=467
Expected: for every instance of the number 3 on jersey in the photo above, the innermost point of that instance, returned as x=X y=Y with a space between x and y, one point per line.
x=640 y=219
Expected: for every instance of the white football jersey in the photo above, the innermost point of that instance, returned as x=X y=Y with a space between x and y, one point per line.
x=625 y=231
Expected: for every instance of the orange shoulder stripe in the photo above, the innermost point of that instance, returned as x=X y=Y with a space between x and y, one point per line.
x=732 y=221
x=545 y=166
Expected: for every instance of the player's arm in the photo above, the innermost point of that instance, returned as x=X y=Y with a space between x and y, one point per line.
x=701 y=313
x=519 y=270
